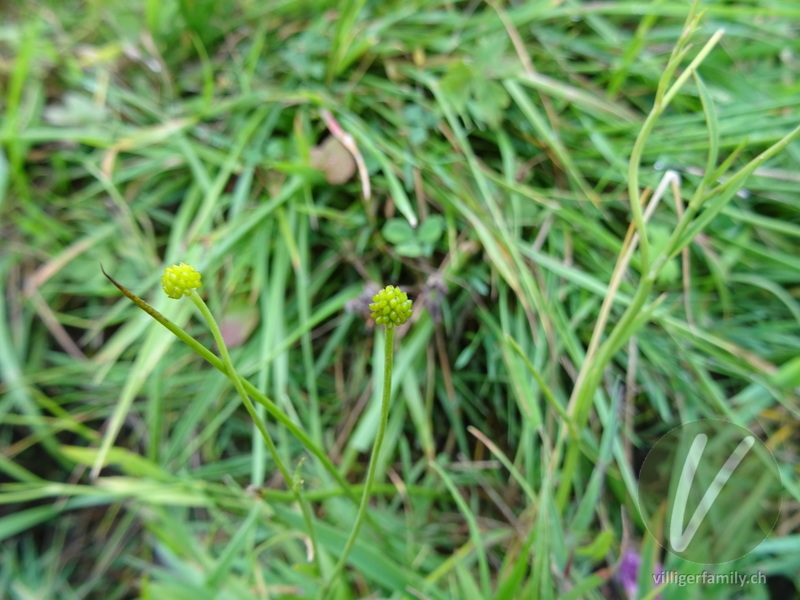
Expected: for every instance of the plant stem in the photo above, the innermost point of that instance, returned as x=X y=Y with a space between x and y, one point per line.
x=373 y=461
x=259 y=397
x=598 y=355
x=295 y=487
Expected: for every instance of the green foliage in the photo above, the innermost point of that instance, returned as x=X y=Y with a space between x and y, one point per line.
x=412 y=242
x=472 y=93
x=496 y=139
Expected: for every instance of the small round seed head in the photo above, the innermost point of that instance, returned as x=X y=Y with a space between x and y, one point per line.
x=180 y=280
x=390 y=307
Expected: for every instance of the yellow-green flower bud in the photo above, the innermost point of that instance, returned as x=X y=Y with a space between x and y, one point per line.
x=390 y=307
x=180 y=280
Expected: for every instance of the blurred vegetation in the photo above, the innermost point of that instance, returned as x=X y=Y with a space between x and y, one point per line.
x=495 y=141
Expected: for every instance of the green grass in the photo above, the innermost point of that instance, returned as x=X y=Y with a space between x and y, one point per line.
x=543 y=359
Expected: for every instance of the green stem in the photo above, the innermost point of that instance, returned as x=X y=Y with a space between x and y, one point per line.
x=664 y=96
x=598 y=357
x=259 y=422
x=633 y=185
x=584 y=396
x=259 y=397
x=373 y=461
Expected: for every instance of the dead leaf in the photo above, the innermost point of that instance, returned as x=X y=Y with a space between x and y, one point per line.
x=333 y=159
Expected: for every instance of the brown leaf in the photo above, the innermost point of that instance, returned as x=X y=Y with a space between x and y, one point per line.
x=333 y=159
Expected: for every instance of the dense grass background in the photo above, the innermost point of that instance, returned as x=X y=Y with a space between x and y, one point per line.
x=496 y=140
